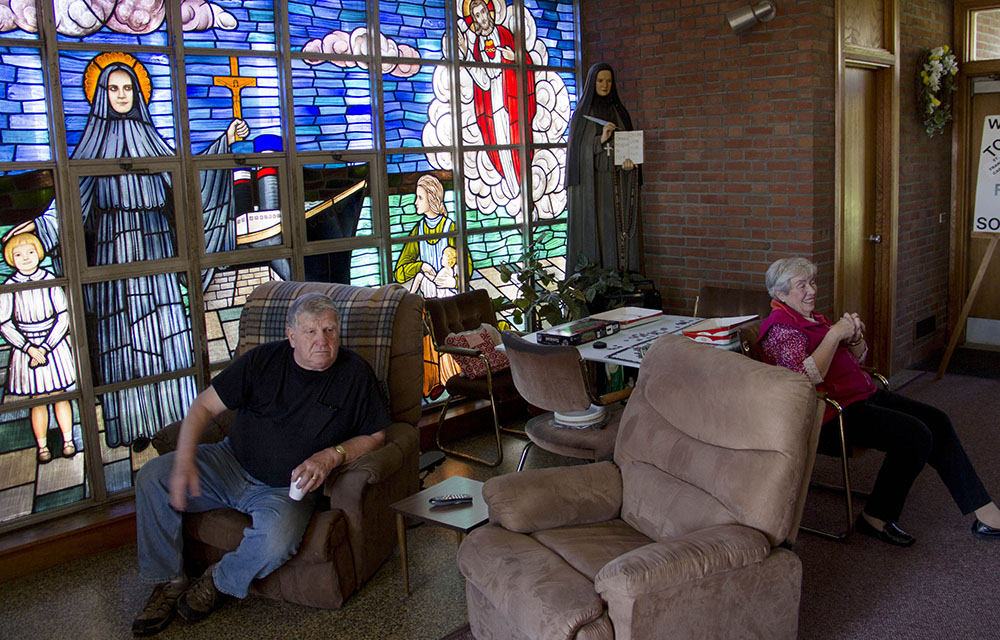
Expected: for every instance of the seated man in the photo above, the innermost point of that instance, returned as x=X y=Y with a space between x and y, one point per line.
x=304 y=407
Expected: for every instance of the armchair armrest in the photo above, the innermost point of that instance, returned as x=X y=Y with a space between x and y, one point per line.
x=540 y=499
x=165 y=440
x=881 y=379
x=697 y=555
x=458 y=351
x=377 y=465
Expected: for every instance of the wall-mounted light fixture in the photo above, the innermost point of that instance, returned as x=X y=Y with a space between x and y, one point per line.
x=746 y=18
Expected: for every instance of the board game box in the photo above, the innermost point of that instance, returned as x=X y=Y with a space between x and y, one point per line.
x=577 y=332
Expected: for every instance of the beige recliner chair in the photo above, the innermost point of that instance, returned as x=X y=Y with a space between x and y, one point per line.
x=352 y=532
x=680 y=537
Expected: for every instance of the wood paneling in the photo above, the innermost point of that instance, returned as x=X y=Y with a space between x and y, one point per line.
x=864 y=23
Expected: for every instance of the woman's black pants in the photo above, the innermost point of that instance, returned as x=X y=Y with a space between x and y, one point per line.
x=911 y=434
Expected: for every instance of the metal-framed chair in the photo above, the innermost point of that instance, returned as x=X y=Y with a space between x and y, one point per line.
x=465 y=312
x=748 y=337
x=578 y=423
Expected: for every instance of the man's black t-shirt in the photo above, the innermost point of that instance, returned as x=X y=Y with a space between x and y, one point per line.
x=286 y=413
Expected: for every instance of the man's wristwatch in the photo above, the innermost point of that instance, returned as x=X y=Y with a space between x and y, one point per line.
x=342 y=451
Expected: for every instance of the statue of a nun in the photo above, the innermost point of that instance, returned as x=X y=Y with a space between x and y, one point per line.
x=604 y=212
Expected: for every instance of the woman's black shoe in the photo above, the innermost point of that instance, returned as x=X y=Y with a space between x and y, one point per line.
x=891 y=534
x=984 y=531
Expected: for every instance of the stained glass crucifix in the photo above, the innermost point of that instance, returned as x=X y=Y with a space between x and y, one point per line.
x=235 y=83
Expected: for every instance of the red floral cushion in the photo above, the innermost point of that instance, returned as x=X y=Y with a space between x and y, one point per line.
x=485 y=339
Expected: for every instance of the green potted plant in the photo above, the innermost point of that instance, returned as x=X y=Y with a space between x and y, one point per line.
x=543 y=297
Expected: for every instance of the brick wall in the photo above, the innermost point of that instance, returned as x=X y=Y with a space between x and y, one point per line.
x=924 y=191
x=739 y=136
x=740 y=143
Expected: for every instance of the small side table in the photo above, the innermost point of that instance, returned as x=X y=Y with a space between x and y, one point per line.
x=460 y=518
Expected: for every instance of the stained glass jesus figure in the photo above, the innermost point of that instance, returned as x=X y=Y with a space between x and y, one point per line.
x=495 y=89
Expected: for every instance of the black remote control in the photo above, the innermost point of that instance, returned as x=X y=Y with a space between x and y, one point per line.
x=451 y=498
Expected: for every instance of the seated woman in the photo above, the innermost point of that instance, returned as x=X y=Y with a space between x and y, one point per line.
x=910 y=433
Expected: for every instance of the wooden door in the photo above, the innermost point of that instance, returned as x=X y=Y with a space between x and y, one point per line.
x=858 y=224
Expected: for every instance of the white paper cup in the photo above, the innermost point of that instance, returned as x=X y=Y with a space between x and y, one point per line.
x=294 y=492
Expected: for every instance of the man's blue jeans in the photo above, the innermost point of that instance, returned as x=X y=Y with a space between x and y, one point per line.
x=278 y=521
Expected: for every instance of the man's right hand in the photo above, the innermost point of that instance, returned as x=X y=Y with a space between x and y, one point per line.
x=183 y=482
x=184 y=475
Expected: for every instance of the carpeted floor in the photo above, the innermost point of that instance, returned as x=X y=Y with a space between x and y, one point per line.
x=943 y=587
x=980 y=363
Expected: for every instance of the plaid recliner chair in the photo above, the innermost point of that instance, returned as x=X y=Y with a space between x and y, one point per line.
x=350 y=536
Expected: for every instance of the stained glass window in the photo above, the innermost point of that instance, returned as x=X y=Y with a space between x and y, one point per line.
x=405 y=101
x=331 y=26
x=225 y=292
x=51 y=432
x=141 y=327
x=359 y=267
x=337 y=201
x=554 y=21
x=364 y=148
x=221 y=91
x=241 y=207
x=413 y=27
x=139 y=22
x=333 y=108
x=230 y=24
x=24 y=121
x=97 y=85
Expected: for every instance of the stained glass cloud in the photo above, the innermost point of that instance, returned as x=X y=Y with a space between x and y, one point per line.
x=80 y=18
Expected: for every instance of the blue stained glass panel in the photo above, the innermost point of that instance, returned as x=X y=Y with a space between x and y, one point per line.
x=333 y=107
x=24 y=120
x=237 y=24
x=122 y=23
x=76 y=103
x=315 y=20
x=554 y=23
x=216 y=86
x=406 y=102
x=416 y=25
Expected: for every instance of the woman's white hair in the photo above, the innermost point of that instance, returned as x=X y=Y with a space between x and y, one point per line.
x=779 y=275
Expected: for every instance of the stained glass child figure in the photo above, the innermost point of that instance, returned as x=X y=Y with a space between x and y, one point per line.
x=36 y=322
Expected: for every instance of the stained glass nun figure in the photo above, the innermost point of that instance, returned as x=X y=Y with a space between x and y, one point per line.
x=140 y=324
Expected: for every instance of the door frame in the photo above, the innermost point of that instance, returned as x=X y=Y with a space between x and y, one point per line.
x=885 y=62
x=960 y=233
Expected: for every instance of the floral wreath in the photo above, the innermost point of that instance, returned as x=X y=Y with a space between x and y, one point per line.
x=935 y=86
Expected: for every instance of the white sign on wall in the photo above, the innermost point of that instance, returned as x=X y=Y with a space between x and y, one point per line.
x=987 y=215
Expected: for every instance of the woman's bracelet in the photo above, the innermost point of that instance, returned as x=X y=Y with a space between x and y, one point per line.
x=860 y=339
